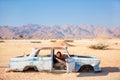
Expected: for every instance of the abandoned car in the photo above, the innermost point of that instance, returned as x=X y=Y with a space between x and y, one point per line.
x=44 y=59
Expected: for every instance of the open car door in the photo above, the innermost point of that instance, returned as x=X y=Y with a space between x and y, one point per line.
x=70 y=65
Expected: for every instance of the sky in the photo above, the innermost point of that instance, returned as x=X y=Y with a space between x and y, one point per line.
x=60 y=12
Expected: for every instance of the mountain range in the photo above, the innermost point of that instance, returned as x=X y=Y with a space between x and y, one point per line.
x=59 y=32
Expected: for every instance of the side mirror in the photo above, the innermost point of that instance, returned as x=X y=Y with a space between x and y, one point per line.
x=66 y=47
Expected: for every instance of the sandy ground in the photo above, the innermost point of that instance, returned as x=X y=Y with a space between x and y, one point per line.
x=110 y=59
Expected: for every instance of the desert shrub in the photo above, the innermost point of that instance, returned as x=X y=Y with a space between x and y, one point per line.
x=35 y=41
x=69 y=40
x=98 y=46
x=53 y=40
x=21 y=36
x=116 y=43
x=1 y=41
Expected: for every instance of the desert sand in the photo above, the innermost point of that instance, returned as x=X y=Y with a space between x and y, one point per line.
x=110 y=59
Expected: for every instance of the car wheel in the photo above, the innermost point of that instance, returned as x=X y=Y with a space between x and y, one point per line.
x=86 y=68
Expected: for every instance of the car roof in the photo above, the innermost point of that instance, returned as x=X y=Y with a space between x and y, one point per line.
x=52 y=47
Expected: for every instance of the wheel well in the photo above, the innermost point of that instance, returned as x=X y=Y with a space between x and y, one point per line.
x=30 y=67
x=86 y=68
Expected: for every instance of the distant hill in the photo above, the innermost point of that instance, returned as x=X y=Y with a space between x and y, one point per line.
x=55 y=31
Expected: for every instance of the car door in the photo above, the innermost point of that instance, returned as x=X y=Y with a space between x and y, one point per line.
x=70 y=65
x=44 y=60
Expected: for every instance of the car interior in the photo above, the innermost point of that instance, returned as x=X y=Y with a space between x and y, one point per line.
x=57 y=65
